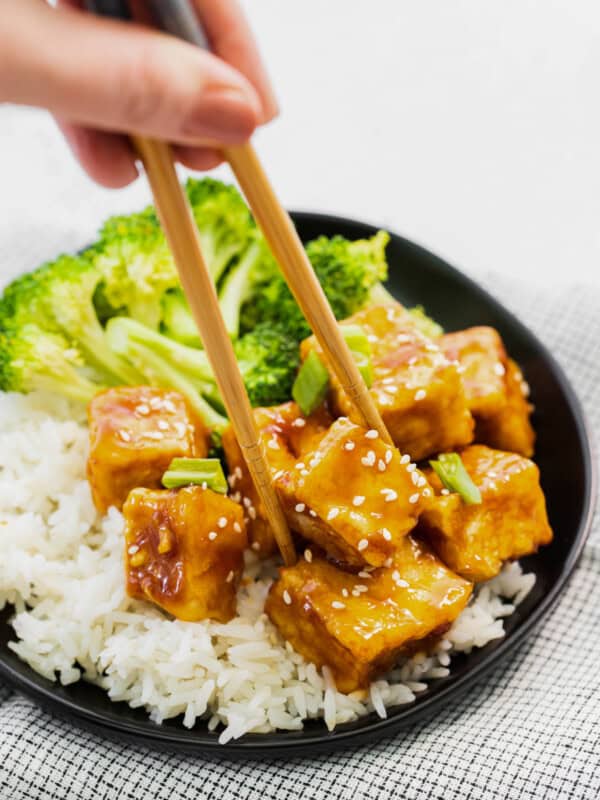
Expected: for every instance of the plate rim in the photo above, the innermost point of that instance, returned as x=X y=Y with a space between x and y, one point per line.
x=303 y=742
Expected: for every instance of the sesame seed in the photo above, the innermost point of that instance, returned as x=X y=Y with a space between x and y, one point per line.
x=300 y=465
x=237 y=527
x=279 y=474
x=356 y=517
x=492 y=474
x=445 y=492
x=460 y=369
x=389 y=495
x=229 y=577
x=169 y=406
x=411 y=467
x=388 y=456
x=133 y=549
x=338 y=604
x=300 y=507
x=405 y=459
x=312 y=513
x=308 y=555
x=345 y=592
x=314 y=462
x=499 y=369
x=364 y=574
x=143 y=409
x=156 y=403
x=238 y=473
x=369 y=459
x=430 y=347
x=252 y=512
x=246 y=502
x=421 y=480
x=525 y=391
x=386 y=534
x=204 y=486
x=212 y=535
x=231 y=480
x=286 y=598
x=155 y=435
x=299 y=422
x=388 y=381
x=304 y=472
x=358 y=500
x=236 y=497
x=273 y=444
x=371 y=337
x=371 y=434
x=427 y=492
x=421 y=394
x=125 y=436
x=363 y=544
x=388 y=562
x=391 y=389
x=355 y=593
x=360 y=587
x=491 y=485
x=403 y=338
x=414 y=498
x=162 y=425
x=414 y=476
x=255 y=545
x=381 y=465
x=333 y=512
x=222 y=522
x=349 y=446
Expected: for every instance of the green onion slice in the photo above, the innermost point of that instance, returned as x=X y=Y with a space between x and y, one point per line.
x=451 y=471
x=359 y=345
x=311 y=384
x=195 y=471
x=426 y=325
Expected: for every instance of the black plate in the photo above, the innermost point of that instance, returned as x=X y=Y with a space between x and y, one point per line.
x=416 y=276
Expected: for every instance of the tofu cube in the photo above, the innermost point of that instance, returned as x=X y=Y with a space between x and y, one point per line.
x=495 y=390
x=417 y=391
x=510 y=428
x=135 y=432
x=286 y=433
x=184 y=551
x=354 y=496
x=510 y=522
x=361 y=625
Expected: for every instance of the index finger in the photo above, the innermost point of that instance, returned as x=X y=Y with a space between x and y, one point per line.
x=232 y=40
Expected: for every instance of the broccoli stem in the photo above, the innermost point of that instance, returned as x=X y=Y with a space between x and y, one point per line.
x=237 y=287
x=157 y=370
x=178 y=321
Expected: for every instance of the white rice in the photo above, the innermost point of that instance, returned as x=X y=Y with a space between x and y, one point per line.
x=61 y=567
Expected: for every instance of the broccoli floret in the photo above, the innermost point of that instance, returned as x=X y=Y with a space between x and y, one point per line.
x=136 y=266
x=158 y=360
x=33 y=359
x=269 y=359
x=347 y=271
x=58 y=298
x=224 y=222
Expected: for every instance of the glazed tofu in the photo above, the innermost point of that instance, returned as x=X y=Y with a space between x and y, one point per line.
x=286 y=433
x=510 y=429
x=354 y=496
x=418 y=392
x=360 y=625
x=184 y=551
x=135 y=432
x=495 y=389
x=510 y=522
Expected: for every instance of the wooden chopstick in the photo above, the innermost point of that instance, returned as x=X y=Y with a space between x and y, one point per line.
x=182 y=235
x=287 y=248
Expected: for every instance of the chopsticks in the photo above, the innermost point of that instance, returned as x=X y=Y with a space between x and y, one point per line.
x=280 y=233
x=181 y=232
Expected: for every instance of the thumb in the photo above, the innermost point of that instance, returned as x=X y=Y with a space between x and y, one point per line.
x=121 y=77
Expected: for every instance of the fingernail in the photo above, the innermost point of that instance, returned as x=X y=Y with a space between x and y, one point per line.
x=223 y=114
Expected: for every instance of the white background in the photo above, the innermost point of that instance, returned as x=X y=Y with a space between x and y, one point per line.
x=472 y=126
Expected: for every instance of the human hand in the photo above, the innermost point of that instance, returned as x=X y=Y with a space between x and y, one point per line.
x=104 y=78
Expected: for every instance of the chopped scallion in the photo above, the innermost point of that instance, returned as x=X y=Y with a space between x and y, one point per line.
x=311 y=384
x=195 y=471
x=359 y=345
x=451 y=471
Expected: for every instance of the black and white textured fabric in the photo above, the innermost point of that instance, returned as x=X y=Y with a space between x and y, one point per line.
x=531 y=728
